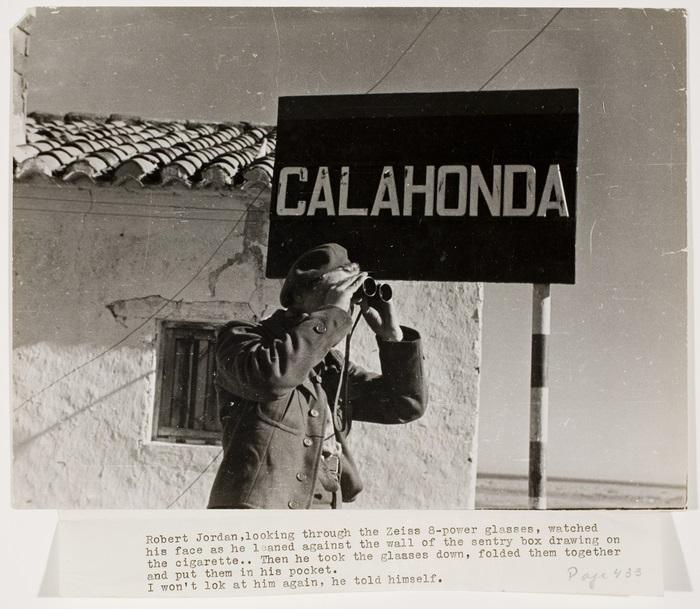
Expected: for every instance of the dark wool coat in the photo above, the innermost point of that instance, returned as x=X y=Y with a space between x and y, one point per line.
x=274 y=382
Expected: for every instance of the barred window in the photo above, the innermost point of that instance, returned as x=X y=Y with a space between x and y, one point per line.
x=185 y=405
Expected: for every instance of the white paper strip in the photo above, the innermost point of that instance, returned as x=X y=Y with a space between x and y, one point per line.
x=268 y=552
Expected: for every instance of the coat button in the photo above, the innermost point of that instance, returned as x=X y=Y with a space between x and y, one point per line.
x=320 y=327
x=313 y=412
x=301 y=476
x=293 y=504
x=308 y=442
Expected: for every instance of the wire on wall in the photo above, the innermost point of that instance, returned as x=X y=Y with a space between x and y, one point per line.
x=147 y=320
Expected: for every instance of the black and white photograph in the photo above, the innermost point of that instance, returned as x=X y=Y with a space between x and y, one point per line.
x=349 y=258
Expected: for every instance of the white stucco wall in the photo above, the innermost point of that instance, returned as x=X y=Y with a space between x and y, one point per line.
x=84 y=375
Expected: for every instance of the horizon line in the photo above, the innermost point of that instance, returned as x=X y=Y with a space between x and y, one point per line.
x=584 y=480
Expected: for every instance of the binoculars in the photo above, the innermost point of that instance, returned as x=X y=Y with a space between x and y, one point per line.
x=372 y=290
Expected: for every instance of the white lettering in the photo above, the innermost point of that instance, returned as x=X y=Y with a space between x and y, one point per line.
x=387 y=184
x=461 y=209
x=508 y=178
x=410 y=189
x=478 y=185
x=343 y=209
x=282 y=209
x=512 y=192
x=322 y=186
x=553 y=183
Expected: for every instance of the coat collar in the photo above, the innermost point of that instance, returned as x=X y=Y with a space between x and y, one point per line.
x=310 y=386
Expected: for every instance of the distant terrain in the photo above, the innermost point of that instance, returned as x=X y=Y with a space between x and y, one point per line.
x=497 y=491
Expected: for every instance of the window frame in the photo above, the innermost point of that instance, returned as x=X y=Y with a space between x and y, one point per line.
x=167 y=330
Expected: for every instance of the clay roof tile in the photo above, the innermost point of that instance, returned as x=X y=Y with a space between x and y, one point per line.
x=119 y=149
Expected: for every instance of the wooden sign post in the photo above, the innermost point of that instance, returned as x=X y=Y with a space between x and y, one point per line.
x=539 y=396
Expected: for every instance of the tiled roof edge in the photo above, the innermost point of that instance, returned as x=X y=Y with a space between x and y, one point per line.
x=118 y=149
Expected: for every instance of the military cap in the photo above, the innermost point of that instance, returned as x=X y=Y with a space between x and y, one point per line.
x=310 y=266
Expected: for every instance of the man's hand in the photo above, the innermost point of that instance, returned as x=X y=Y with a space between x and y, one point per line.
x=340 y=294
x=381 y=317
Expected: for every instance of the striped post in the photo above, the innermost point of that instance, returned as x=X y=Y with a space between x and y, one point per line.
x=539 y=396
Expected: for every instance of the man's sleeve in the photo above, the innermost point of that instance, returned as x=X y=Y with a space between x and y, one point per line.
x=255 y=367
x=399 y=394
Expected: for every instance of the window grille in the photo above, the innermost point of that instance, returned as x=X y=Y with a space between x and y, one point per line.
x=186 y=410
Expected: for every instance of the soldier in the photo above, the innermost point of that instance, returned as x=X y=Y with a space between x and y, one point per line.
x=280 y=386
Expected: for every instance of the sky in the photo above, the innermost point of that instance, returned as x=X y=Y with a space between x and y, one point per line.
x=618 y=391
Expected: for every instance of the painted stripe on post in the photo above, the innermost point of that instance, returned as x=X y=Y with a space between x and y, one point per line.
x=541 y=309
x=536 y=488
x=537 y=477
x=538 y=369
x=539 y=405
x=539 y=397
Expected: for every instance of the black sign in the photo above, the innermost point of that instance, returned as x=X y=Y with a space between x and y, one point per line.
x=430 y=186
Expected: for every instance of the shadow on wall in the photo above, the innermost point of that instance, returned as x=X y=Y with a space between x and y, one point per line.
x=23 y=444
